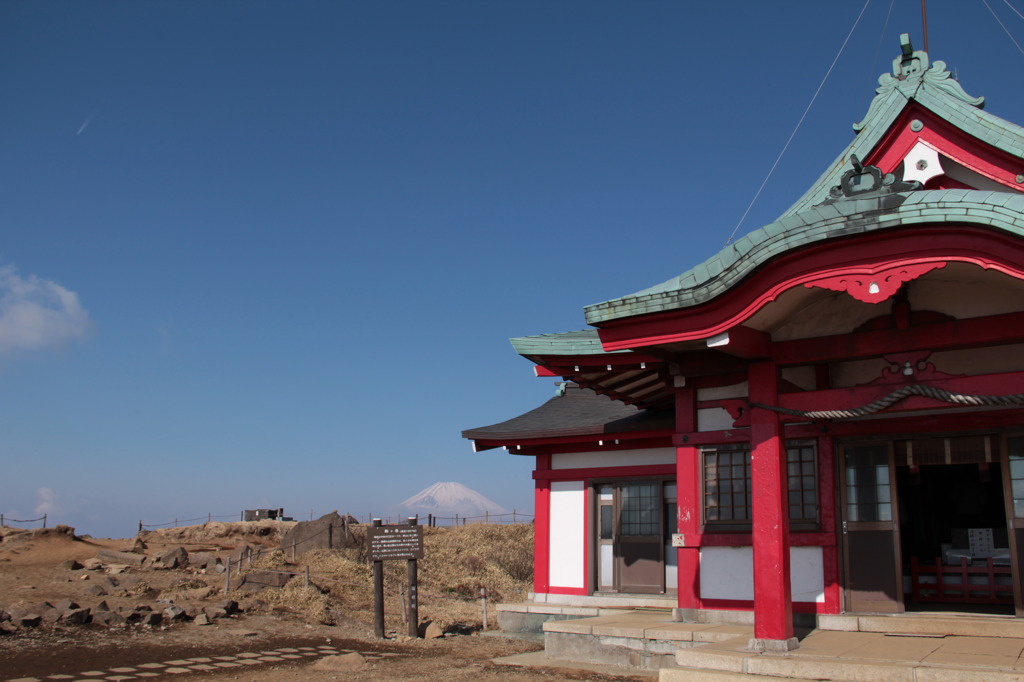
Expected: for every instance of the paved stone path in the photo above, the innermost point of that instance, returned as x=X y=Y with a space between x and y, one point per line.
x=201 y=664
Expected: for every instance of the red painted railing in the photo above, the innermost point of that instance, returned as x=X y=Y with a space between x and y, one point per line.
x=954 y=584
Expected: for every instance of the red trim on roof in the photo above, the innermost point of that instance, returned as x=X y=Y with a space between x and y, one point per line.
x=865 y=254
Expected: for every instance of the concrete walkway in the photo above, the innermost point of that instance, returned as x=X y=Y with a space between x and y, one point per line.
x=861 y=656
x=929 y=647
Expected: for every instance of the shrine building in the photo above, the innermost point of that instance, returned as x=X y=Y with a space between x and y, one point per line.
x=824 y=417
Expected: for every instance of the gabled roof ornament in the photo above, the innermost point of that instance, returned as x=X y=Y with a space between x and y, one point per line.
x=862 y=181
x=910 y=71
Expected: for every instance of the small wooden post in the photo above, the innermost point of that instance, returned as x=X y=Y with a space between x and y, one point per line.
x=330 y=536
x=227 y=577
x=307 y=575
x=175 y=521
x=378 y=594
x=44 y=520
x=209 y=516
x=513 y=516
x=483 y=604
x=414 y=605
x=430 y=520
x=487 y=517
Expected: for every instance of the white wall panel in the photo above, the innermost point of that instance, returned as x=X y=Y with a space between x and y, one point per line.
x=728 y=573
x=568 y=534
x=613 y=458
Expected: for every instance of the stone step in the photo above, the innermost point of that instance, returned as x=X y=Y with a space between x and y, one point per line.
x=927 y=624
x=701 y=675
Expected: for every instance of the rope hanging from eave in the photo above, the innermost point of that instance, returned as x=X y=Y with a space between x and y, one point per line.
x=898 y=395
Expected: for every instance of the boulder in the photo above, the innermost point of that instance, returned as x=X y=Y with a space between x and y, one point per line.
x=203 y=560
x=330 y=531
x=202 y=619
x=92 y=565
x=108 y=619
x=110 y=556
x=430 y=630
x=76 y=616
x=173 y=612
x=172 y=558
x=95 y=590
x=70 y=565
x=65 y=605
x=267 y=578
x=341 y=663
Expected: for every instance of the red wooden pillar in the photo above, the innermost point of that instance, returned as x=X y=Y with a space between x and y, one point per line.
x=773 y=599
x=542 y=525
x=688 y=512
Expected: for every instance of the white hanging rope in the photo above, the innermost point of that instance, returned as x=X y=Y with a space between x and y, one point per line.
x=798 y=124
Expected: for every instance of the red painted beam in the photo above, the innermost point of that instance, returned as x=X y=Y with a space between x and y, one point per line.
x=935 y=336
x=742 y=342
x=858 y=396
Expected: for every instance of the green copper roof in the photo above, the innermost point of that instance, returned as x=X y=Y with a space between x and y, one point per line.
x=810 y=220
x=997 y=210
x=583 y=342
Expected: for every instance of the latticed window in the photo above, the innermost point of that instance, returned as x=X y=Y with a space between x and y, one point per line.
x=641 y=509
x=727 y=487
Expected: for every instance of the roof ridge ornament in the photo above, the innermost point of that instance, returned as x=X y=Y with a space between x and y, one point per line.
x=910 y=71
x=862 y=181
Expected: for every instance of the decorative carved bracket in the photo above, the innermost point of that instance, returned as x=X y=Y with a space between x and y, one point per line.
x=875 y=286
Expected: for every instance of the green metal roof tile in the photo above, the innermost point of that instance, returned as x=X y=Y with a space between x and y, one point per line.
x=701 y=283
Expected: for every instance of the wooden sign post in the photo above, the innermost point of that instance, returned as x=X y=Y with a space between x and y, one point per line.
x=395 y=542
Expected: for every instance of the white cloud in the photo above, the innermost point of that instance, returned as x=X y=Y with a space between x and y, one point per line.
x=47 y=502
x=36 y=313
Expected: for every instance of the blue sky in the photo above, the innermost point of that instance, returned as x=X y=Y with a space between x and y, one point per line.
x=270 y=253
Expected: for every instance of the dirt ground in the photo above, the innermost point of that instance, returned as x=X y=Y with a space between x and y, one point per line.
x=274 y=643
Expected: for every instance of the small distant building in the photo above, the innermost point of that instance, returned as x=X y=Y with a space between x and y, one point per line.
x=263 y=514
x=822 y=416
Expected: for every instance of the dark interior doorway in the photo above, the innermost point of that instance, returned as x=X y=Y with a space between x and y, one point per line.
x=952 y=522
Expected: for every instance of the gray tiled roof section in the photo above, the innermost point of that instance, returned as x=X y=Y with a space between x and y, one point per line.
x=995 y=210
x=578 y=411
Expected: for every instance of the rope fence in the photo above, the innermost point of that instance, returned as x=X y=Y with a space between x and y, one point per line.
x=4 y=520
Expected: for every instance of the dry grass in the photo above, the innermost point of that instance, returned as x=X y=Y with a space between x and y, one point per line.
x=265 y=531
x=457 y=563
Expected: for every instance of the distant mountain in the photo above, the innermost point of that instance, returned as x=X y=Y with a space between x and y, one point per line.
x=452 y=498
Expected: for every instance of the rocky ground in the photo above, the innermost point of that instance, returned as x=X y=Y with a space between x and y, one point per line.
x=155 y=607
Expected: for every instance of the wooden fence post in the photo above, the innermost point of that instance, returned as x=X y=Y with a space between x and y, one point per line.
x=414 y=600
x=227 y=577
x=44 y=520
x=483 y=605
x=378 y=594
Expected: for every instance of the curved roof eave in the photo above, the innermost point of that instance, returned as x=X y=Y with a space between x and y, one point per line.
x=996 y=210
x=582 y=342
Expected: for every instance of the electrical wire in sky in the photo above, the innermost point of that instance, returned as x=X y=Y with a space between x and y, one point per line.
x=1002 y=25
x=798 y=123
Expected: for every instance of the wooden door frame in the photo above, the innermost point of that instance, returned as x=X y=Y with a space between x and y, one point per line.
x=841 y=447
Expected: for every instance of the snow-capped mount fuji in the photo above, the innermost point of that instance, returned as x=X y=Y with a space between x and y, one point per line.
x=452 y=498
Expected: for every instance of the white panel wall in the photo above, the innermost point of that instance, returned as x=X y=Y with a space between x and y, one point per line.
x=568 y=534
x=613 y=458
x=728 y=573
x=714 y=419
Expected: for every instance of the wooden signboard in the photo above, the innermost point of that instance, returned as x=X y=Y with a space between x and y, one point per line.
x=395 y=542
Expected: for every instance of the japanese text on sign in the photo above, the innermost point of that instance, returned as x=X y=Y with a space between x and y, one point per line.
x=395 y=542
